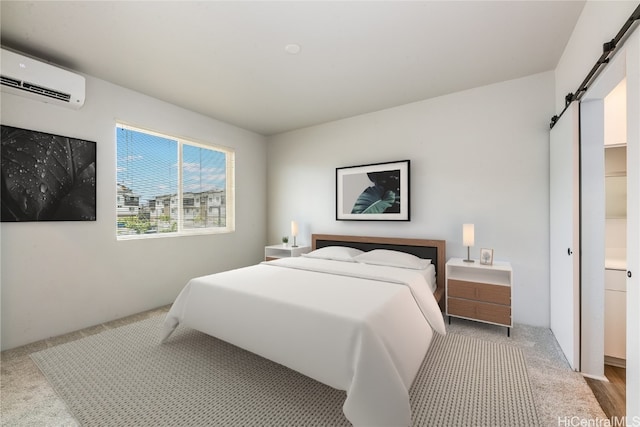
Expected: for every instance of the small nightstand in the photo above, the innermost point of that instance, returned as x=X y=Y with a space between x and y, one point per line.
x=480 y=292
x=280 y=251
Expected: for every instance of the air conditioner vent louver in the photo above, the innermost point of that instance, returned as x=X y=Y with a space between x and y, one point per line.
x=31 y=78
x=10 y=82
x=29 y=87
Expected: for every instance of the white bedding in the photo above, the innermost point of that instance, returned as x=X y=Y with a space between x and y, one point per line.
x=429 y=275
x=360 y=328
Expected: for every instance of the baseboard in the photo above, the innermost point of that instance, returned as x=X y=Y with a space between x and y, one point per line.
x=614 y=361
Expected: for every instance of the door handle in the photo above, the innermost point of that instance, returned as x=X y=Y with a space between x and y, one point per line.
x=569 y=251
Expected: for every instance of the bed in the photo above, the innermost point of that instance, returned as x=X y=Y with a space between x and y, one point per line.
x=357 y=314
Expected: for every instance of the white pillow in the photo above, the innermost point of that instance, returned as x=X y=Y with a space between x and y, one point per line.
x=393 y=259
x=336 y=253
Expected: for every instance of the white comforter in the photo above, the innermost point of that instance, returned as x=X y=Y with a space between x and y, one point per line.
x=360 y=328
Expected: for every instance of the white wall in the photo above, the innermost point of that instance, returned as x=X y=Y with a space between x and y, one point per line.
x=58 y=277
x=478 y=156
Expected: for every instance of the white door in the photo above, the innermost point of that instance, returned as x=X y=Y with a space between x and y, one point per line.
x=564 y=245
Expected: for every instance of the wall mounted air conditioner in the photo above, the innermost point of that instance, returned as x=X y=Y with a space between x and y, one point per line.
x=38 y=80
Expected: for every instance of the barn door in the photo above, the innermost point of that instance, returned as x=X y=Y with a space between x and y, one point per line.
x=564 y=243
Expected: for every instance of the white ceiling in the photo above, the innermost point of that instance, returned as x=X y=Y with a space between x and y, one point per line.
x=227 y=59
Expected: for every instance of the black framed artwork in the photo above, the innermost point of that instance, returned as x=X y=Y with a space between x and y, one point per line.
x=46 y=177
x=374 y=192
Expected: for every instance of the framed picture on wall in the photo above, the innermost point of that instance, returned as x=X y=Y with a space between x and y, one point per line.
x=374 y=192
x=486 y=256
x=46 y=177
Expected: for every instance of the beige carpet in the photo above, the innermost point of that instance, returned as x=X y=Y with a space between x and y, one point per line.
x=125 y=377
x=27 y=398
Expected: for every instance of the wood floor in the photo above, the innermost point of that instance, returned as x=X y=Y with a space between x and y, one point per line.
x=611 y=395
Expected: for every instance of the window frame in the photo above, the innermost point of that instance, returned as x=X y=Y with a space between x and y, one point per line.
x=229 y=190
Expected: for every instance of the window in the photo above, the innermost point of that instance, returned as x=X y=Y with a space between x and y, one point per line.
x=169 y=186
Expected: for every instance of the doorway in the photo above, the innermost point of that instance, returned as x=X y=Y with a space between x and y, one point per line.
x=619 y=249
x=611 y=393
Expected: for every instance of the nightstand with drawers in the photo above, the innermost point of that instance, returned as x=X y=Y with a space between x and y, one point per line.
x=480 y=292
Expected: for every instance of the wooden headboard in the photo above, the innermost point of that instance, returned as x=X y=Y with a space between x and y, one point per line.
x=429 y=249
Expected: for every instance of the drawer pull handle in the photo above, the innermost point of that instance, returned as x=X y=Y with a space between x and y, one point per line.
x=629 y=274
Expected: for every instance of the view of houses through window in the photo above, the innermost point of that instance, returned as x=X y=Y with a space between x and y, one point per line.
x=168 y=185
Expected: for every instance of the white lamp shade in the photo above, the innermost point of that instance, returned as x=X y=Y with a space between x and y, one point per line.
x=294 y=228
x=468 y=235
